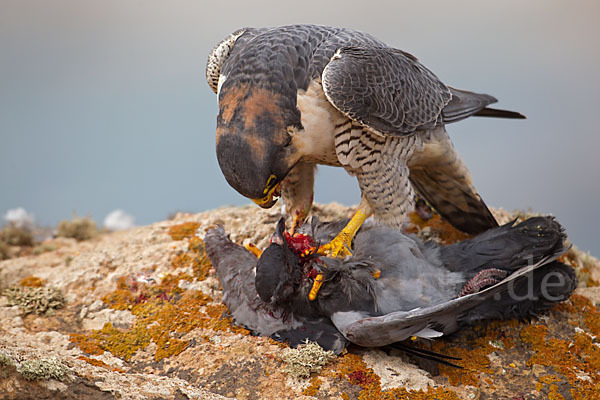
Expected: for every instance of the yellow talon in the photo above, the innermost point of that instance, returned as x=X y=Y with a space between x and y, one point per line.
x=253 y=249
x=339 y=246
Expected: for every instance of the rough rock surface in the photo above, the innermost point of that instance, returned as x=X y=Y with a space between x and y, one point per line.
x=142 y=319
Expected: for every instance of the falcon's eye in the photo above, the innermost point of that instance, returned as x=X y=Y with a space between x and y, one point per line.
x=288 y=138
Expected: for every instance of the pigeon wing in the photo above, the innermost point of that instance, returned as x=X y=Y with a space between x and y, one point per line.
x=423 y=322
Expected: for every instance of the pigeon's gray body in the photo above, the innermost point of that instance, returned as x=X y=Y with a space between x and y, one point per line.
x=394 y=286
x=292 y=97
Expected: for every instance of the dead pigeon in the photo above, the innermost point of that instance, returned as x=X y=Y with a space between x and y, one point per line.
x=235 y=267
x=395 y=286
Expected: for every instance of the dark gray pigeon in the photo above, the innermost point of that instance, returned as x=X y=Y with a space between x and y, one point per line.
x=235 y=267
x=395 y=286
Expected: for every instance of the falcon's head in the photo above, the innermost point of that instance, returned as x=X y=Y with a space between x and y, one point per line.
x=254 y=144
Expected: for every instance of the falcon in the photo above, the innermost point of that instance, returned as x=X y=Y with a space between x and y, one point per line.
x=292 y=97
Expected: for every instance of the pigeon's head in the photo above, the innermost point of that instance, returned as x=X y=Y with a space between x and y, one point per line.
x=278 y=271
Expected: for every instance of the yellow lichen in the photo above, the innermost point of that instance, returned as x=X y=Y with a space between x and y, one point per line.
x=183 y=231
x=157 y=319
x=352 y=368
x=194 y=257
x=576 y=358
x=99 y=363
x=32 y=281
x=181 y=260
x=313 y=387
x=474 y=357
x=446 y=233
x=87 y=343
x=164 y=311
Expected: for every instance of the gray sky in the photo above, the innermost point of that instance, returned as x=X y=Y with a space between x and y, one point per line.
x=104 y=104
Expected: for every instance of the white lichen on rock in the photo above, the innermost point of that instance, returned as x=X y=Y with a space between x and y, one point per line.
x=38 y=300
x=43 y=368
x=306 y=359
x=5 y=359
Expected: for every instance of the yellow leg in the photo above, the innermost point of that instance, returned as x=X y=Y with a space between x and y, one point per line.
x=340 y=245
x=251 y=247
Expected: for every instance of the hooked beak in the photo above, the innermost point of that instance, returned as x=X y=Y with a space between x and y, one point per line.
x=271 y=197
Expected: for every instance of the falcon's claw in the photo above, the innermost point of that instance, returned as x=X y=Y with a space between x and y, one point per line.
x=338 y=247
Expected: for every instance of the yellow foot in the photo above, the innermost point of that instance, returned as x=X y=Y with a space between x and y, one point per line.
x=251 y=247
x=340 y=246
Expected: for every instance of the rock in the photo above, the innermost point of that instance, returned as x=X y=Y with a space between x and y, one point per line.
x=143 y=320
x=395 y=373
x=118 y=318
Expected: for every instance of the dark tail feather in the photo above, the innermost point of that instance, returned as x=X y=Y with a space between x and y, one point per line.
x=426 y=354
x=465 y=104
x=496 y=113
x=453 y=200
x=528 y=296
x=508 y=247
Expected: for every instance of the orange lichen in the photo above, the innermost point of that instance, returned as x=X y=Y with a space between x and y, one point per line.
x=281 y=345
x=474 y=354
x=194 y=257
x=352 y=368
x=313 y=387
x=87 y=344
x=122 y=297
x=581 y=264
x=164 y=311
x=446 y=232
x=590 y=281
x=183 y=231
x=576 y=358
x=534 y=334
x=99 y=363
x=32 y=281
x=181 y=261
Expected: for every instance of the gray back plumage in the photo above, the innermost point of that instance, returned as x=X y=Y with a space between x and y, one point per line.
x=385 y=89
x=288 y=57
